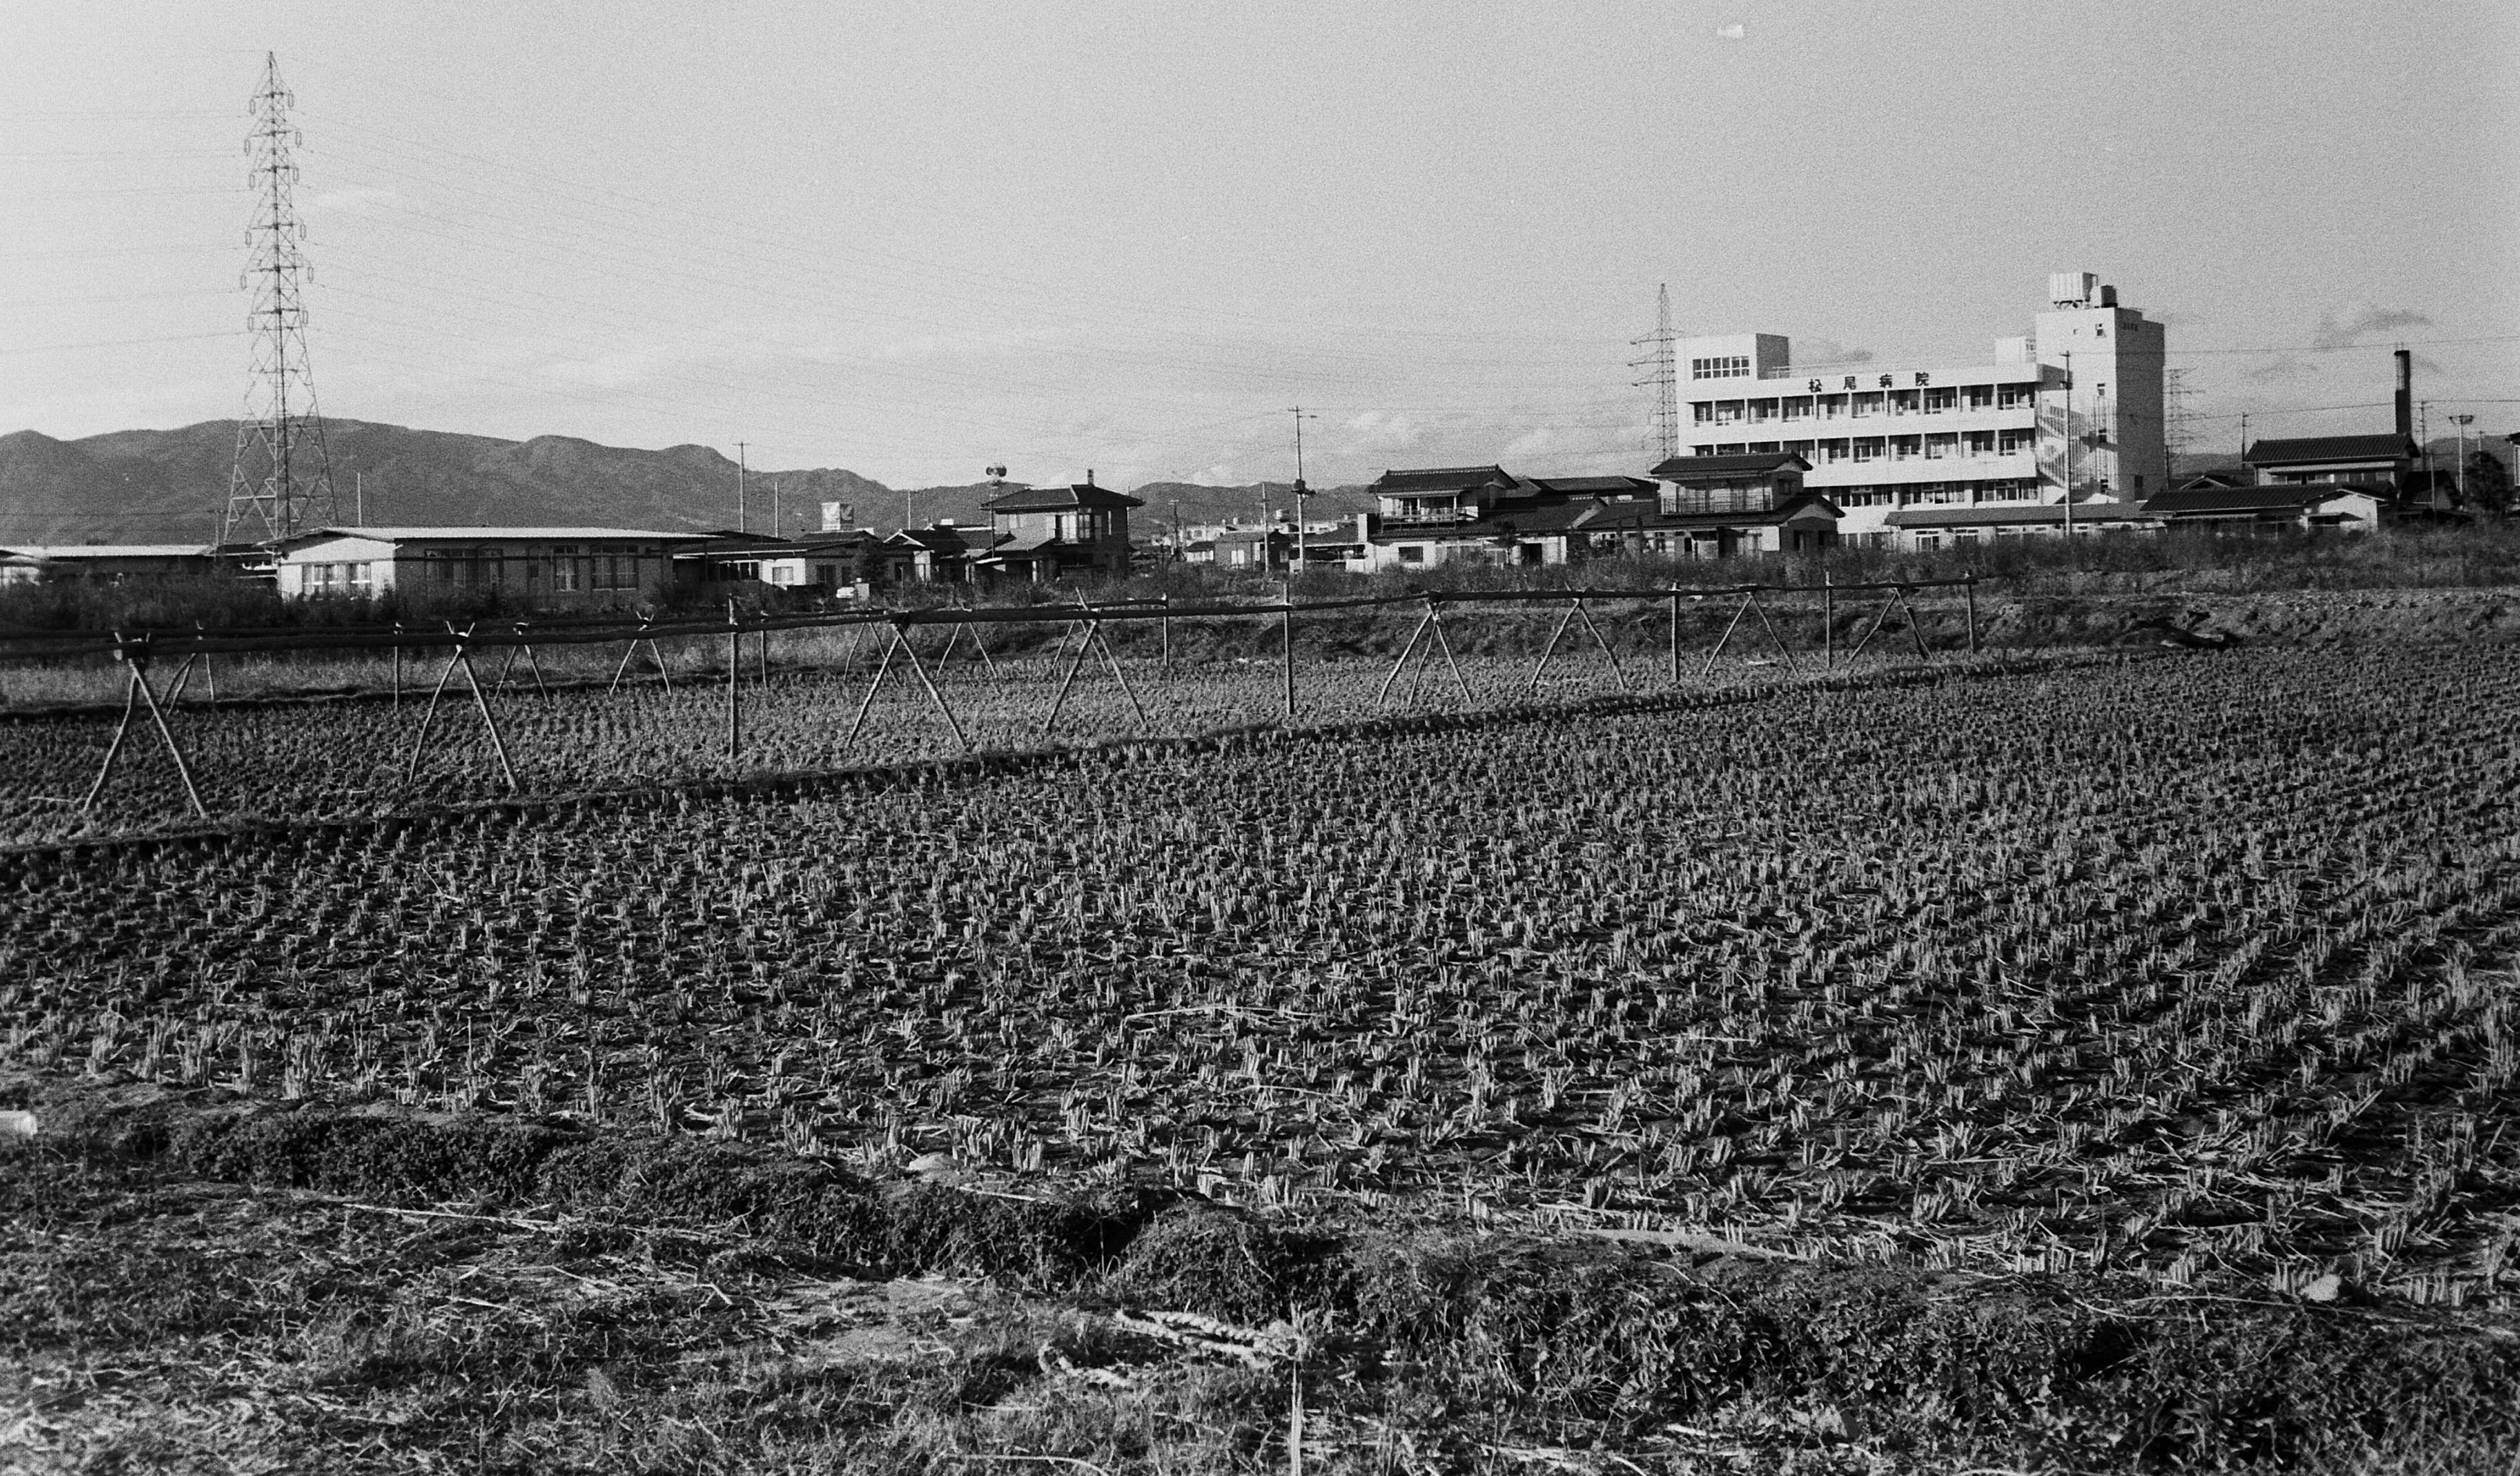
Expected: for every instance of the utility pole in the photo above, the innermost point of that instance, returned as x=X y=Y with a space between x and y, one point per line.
x=1296 y=565
x=774 y=510
x=2462 y=422
x=741 y=526
x=1662 y=374
x=359 y=495
x=271 y=483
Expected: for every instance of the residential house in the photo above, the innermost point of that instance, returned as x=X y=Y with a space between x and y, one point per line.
x=2297 y=506
x=1050 y=532
x=941 y=553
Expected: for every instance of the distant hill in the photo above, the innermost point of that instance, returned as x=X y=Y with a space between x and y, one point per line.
x=152 y=486
x=165 y=486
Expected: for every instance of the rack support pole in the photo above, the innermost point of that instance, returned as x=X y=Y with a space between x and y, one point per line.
x=1720 y=641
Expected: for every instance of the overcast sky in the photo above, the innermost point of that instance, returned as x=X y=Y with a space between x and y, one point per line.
x=916 y=239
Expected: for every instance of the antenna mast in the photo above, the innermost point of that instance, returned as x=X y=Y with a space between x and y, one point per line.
x=282 y=478
x=1663 y=374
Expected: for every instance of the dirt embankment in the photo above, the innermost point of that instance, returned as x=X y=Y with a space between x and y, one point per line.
x=382 y=1291
x=2284 y=618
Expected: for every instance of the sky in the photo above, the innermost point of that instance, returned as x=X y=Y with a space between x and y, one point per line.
x=915 y=240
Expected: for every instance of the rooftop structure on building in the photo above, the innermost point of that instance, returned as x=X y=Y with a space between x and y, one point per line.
x=2077 y=402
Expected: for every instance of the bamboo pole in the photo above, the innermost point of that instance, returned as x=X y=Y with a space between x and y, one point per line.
x=1166 y=620
x=1605 y=642
x=183 y=674
x=1915 y=629
x=498 y=744
x=1113 y=661
x=1382 y=695
x=1542 y=665
x=1675 y=637
x=1445 y=641
x=734 y=682
x=1720 y=641
x=174 y=750
x=1827 y=622
x=398 y=667
x=1287 y=643
x=630 y=652
x=1873 y=629
x=114 y=749
x=534 y=664
x=429 y=715
x=1061 y=701
x=1968 y=592
x=1782 y=649
x=935 y=696
x=883 y=668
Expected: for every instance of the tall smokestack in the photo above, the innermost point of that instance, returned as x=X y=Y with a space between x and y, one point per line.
x=2406 y=394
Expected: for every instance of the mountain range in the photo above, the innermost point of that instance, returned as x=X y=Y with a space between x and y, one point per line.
x=168 y=486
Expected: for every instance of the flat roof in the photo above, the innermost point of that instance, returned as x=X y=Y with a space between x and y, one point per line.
x=491 y=533
x=108 y=550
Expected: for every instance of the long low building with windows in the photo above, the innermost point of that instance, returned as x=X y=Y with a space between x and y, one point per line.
x=544 y=568
x=2076 y=403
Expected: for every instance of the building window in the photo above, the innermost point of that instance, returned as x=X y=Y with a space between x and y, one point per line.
x=1929 y=540
x=1940 y=446
x=564 y=571
x=1980 y=396
x=363 y=578
x=1763 y=409
x=1410 y=553
x=1902 y=401
x=2014 y=397
x=1702 y=411
x=1727 y=366
x=1797 y=408
x=1938 y=401
x=2014 y=442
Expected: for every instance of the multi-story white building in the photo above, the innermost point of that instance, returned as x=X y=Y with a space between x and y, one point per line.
x=2076 y=403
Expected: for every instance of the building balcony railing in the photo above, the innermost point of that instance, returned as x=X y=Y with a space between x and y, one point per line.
x=1428 y=517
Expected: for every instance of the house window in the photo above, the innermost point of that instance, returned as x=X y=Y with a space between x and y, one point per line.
x=1413 y=553
x=1929 y=540
x=362 y=577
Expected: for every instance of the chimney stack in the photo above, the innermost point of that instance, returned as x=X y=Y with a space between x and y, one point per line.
x=2406 y=394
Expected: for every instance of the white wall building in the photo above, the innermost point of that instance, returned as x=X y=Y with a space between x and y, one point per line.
x=2079 y=398
x=548 y=567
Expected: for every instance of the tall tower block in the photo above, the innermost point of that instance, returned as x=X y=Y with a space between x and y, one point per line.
x=2107 y=422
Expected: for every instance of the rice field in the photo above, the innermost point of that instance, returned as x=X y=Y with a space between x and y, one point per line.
x=2199 y=968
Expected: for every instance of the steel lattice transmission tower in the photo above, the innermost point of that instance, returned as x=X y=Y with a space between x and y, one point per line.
x=283 y=476
x=1663 y=376
x=2179 y=424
